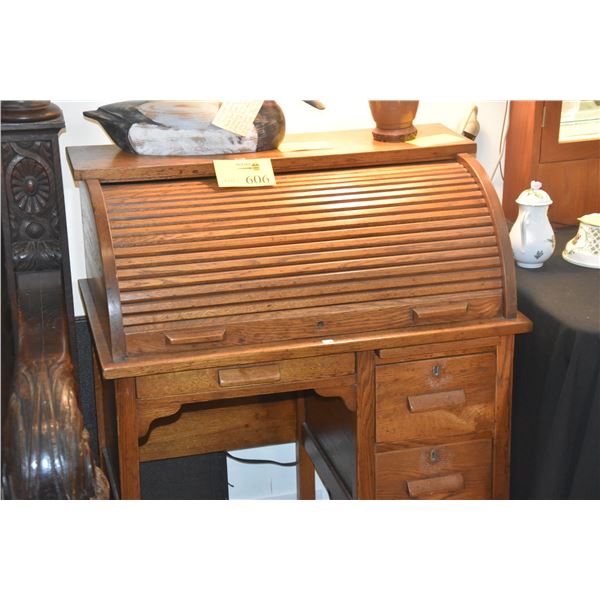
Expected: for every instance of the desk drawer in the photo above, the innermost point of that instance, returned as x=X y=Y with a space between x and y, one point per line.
x=449 y=471
x=426 y=400
x=245 y=376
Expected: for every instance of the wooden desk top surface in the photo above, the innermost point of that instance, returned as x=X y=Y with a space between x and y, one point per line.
x=352 y=148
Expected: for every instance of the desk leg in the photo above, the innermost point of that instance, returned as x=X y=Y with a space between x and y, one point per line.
x=305 y=471
x=365 y=426
x=100 y=409
x=504 y=358
x=129 y=450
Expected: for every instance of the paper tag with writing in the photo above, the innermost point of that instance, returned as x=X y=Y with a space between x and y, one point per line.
x=300 y=146
x=237 y=117
x=252 y=172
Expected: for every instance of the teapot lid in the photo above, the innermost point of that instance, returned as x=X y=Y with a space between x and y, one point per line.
x=591 y=219
x=534 y=196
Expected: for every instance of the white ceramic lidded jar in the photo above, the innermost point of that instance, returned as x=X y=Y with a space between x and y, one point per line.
x=531 y=236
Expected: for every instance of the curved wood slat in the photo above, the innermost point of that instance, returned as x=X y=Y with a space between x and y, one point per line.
x=133 y=192
x=492 y=291
x=355 y=210
x=295 y=206
x=311 y=273
x=386 y=294
x=260 y=293
x=216 y=232
x=265 y=328
x=480 y=236
x=468 y=199
x=302 y=221
x=489 y=301
x=213 y=198
x=210 y=263
x=259 y=243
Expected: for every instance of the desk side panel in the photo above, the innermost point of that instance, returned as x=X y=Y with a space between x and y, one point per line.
x=100 y=266
x=93 y=260
x=333 y=427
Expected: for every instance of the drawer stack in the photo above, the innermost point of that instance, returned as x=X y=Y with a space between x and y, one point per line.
x=434 y=427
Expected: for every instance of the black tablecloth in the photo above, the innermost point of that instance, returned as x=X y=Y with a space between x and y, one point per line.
x=556 y=391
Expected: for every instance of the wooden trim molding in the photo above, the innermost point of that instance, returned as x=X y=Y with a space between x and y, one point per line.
x=346 y=393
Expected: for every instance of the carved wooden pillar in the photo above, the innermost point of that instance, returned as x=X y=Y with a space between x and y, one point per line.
x=46 y=451
x=33 y=214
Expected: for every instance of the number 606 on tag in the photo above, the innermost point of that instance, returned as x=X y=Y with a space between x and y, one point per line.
x=244 y=172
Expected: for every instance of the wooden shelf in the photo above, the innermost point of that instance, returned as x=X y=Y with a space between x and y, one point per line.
x=352 y=148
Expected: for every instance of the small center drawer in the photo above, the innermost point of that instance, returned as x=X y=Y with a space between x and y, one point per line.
x=428 y=399
x=245 y=376
x=448 y=471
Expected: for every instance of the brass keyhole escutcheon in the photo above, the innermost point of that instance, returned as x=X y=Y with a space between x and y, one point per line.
x=434 y=455
x=437 y=371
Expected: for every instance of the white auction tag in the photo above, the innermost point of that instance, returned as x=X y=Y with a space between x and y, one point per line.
x=252 y=172
x=237 y=117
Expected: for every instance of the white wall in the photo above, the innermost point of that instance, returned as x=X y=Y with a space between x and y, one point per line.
x=264 y=481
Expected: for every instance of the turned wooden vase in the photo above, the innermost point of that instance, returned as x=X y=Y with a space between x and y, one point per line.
x=394 y=119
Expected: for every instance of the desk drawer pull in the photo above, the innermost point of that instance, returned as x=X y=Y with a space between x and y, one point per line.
x=444 y=484
x=427 y=313
x=436 y=401
x=195 y=337
x=249 y=375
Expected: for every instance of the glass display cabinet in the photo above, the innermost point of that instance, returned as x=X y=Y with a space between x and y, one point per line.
x=557 y=143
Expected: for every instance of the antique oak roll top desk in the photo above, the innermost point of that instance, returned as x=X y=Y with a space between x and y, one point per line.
x=363 y=307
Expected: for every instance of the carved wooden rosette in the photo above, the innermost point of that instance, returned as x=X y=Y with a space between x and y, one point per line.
x=31 y=201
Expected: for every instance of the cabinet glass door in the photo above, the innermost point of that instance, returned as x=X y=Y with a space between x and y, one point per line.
x=570 y=130
x=579 y=120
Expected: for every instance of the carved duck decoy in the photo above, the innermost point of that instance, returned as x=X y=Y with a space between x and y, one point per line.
x=165 y=128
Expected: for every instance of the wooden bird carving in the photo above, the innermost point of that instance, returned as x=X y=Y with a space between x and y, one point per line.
x=168 y=128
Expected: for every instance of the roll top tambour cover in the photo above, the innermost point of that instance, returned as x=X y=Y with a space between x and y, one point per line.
x=322 y=253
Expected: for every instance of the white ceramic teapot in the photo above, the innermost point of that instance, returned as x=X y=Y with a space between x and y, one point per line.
x=531 y=236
